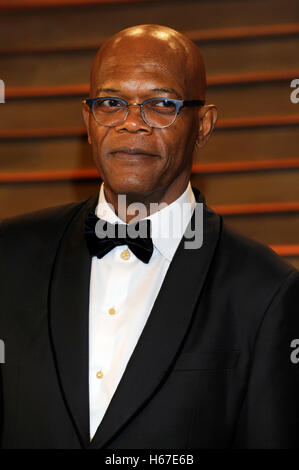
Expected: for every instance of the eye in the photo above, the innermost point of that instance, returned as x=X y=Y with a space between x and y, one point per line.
x=164 y=106
x=111 y=103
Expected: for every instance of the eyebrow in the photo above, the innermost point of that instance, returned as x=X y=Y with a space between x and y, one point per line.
x=156 y=90
x=106 y=90
x=167 y=90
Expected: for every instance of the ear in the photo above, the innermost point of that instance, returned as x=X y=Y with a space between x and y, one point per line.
x=86 y=116
x=207 y=122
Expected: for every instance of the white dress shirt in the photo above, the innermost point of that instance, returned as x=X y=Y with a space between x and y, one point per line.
x=123 y=290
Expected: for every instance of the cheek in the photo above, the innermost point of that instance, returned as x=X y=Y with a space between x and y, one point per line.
x=187 y=138
x=98 y=139
x=177 y=144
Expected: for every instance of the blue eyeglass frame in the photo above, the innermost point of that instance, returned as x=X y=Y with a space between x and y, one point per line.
x=179 y=104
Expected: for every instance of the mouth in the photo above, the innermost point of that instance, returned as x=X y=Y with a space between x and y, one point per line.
x=132 y=153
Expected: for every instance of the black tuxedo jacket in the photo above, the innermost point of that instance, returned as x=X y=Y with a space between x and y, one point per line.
x=212 y=368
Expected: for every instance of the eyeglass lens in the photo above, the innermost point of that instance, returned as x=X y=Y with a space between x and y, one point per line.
x=156 y=113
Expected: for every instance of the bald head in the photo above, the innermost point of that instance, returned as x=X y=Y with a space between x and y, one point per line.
x=165 y=47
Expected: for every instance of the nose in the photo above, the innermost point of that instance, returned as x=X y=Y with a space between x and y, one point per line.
x=134 y=121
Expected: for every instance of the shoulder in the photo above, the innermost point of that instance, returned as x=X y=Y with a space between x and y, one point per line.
x=39 y=226
x=240 y=257
x=250 y=265
x=246 y=278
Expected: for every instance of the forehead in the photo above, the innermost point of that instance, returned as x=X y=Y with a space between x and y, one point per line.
x=133 y=64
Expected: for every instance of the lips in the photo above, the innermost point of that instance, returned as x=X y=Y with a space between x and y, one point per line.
x=132 y=151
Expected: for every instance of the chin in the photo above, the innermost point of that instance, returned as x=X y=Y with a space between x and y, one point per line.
x=132 y=186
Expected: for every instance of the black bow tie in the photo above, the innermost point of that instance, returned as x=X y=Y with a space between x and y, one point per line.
x=102 y=236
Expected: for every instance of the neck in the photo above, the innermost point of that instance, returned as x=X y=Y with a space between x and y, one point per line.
x=138 y=206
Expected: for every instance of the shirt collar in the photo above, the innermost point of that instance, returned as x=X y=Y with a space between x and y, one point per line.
x=168 y=224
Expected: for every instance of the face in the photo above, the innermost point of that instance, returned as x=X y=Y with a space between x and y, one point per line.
x=133 y=158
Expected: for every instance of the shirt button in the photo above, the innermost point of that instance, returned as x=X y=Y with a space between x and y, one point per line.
x=125 y=254
x=112 y=311
x=100 y=374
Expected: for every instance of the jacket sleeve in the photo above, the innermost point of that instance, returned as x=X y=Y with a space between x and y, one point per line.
x=269 y=417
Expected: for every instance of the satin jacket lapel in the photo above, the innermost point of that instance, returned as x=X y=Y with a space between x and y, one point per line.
x=169 y=318
x=68 y=320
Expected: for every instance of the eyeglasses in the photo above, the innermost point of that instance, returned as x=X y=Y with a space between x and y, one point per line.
x=156 y=112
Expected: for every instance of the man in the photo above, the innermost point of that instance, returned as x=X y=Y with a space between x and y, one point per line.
x=117 y=344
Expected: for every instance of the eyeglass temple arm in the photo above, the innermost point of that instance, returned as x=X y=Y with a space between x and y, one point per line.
x=88 y=101
x=193 y=103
